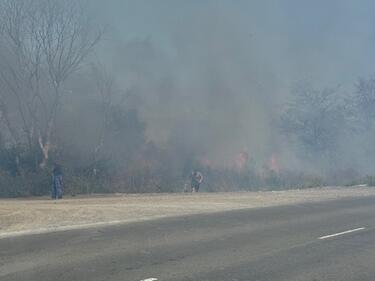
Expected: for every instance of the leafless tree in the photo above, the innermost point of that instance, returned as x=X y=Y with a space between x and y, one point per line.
x=105 y=85
x=45 y=42
x=314 y=119
x=364 y=100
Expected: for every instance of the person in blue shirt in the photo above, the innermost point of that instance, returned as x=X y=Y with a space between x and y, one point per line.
x=57 y=182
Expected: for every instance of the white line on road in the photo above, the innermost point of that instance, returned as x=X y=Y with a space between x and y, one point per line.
x=341 y=233
x=150 y=279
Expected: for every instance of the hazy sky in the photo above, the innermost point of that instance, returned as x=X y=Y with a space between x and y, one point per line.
x=316 y=39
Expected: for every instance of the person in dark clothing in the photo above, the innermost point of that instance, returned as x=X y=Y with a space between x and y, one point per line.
x=196 y=180
x=57 y=182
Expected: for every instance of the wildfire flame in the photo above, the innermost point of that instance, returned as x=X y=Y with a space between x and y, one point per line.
x=241 y=160
x=273 y=165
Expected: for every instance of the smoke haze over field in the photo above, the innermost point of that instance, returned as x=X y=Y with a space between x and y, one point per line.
x=131 y=96
x=214 y=75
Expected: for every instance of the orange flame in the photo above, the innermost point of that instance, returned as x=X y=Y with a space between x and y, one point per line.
x=273 y=165
x=241 y=160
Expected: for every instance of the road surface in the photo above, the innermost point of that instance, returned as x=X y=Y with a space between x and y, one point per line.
x=308 y=242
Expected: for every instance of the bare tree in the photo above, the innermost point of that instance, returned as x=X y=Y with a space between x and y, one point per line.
x=45 y=41
x=315 y=120
x=364 y=100
x=105 y=85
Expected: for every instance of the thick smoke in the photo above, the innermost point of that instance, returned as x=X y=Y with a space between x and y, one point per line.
x=211 y=77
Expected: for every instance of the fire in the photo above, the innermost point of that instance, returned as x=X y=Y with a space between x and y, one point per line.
x=273 y=165
x=241 y=160
x=206 y=162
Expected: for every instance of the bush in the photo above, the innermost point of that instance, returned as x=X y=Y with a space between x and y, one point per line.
x=29 y=184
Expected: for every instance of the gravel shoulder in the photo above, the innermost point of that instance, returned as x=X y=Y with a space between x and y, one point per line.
x=38 y=215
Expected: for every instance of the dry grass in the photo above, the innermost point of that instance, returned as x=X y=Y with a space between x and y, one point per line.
x=42 y=214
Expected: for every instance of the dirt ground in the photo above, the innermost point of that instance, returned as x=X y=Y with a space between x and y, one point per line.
x=36 y=215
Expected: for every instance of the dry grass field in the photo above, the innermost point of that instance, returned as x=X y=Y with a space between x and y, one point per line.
x=36 y=215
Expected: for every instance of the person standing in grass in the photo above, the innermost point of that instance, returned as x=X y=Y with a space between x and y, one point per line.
x=57 y=182
x=196 y=180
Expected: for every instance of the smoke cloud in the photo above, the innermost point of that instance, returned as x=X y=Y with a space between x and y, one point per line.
x=211 y=77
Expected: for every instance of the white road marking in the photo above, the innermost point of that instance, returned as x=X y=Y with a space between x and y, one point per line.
x=150 y=279
x=342 y=233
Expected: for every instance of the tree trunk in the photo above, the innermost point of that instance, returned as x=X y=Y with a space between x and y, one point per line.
x=46 y=145
x=45 y=151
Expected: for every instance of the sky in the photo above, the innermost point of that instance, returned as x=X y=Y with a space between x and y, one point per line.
x=337 y=36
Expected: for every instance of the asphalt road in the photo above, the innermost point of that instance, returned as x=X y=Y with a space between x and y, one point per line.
x=307 y=242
